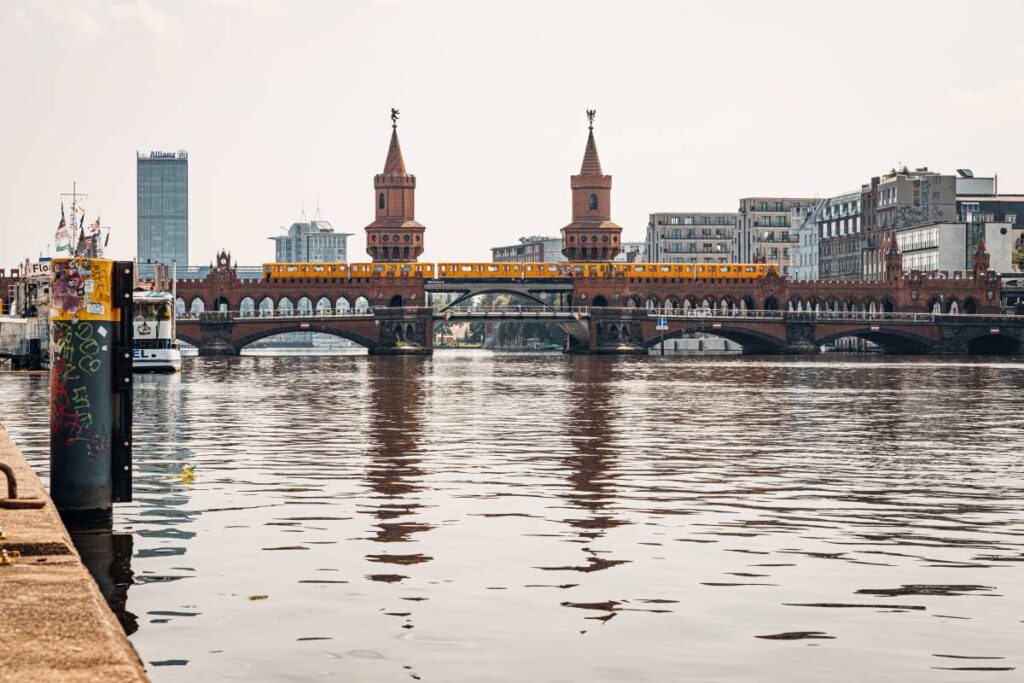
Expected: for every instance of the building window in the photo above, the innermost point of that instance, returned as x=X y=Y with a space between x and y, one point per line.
x=380 y=201
x=593 y=202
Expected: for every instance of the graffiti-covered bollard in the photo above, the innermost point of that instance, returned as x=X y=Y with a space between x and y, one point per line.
x=90 y=387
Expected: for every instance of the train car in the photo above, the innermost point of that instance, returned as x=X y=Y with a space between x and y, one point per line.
x=285 y=272
x=685 y=271
x=480 y=271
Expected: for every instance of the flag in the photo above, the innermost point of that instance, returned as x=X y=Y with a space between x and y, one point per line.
x=80 y=247
x=62 y=240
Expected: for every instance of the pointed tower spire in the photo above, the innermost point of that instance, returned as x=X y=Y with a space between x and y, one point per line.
x=591 y=161
x=394 y=163
x=394 y=235
x=592 y=236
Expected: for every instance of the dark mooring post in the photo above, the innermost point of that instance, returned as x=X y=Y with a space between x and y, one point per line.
x=90 y=388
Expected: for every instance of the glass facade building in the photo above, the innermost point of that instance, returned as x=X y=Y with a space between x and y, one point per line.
x=162 y=207
x=312 y=242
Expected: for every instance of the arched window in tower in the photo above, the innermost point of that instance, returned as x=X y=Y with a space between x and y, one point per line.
x=593 y=202
x=380 y=201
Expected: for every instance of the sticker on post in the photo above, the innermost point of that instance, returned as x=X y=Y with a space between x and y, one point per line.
x=94 y=309
x=89 y=285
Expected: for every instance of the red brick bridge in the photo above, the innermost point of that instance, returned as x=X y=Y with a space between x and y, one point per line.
x=908 y=313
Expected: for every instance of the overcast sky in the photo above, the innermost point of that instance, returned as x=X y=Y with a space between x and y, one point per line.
x=282 y=103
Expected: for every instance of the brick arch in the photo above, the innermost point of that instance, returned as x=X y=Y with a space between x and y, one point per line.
x=188 y=338
x=983 y=342
x=285 y=327
x=891 y=341
x=752 y=341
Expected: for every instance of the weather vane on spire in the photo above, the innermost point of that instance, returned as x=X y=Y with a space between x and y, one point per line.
x=394 y=117
x=591 y=113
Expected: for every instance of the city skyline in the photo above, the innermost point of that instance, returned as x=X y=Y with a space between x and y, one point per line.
x=491 y=142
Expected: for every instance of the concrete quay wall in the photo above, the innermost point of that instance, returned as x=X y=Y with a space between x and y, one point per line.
x=54 y=623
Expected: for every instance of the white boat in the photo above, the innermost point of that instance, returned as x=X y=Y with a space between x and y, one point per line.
x=154 y=348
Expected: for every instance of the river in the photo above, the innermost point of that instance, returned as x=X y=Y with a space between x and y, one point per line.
x=539 y=517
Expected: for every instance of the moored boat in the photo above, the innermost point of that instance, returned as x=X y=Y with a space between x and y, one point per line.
x=154 y=348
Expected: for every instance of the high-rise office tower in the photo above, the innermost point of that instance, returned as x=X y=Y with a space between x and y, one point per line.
x=162 y=206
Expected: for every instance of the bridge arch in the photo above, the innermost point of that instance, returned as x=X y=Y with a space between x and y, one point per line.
x=188 y=338
x=288 y=326
x=467 y=295
x=266 y=306
x=970 y=306
x=342 y=305
x=396 y=301
x=770 y=304
x=323 y=306
x=198 y=306
x=752 y=341
x=285 y=306
x=362 y=305
x=305 y=306
x=599 y=300
x=891 y=341
x=221 y=303
x=986 y=343
x=180 y=307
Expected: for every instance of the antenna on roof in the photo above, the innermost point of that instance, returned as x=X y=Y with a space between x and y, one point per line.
x=317 y=217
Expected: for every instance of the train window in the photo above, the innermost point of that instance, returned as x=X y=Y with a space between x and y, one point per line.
x=466 y=268
x=666 y=269
x=292 y=269
x=492 y=269
x=318 y=269
x=724 y=269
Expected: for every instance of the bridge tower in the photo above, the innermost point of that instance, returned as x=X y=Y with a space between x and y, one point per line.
x=893 y=261
x=394 y=235
x=592 y=236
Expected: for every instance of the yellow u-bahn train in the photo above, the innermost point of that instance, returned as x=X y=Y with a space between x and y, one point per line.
x=286 y=272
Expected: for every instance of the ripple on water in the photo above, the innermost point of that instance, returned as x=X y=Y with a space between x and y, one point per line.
x=749 y=502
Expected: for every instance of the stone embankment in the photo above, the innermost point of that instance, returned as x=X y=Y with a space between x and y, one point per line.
x=54 y=623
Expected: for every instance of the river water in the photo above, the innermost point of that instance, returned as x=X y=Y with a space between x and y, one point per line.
x=540 y=517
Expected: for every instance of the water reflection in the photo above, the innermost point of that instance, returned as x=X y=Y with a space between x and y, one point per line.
x=550 y=517
x=108 y=557
x=394 y=474
x=162 y=511
x=591 y=465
